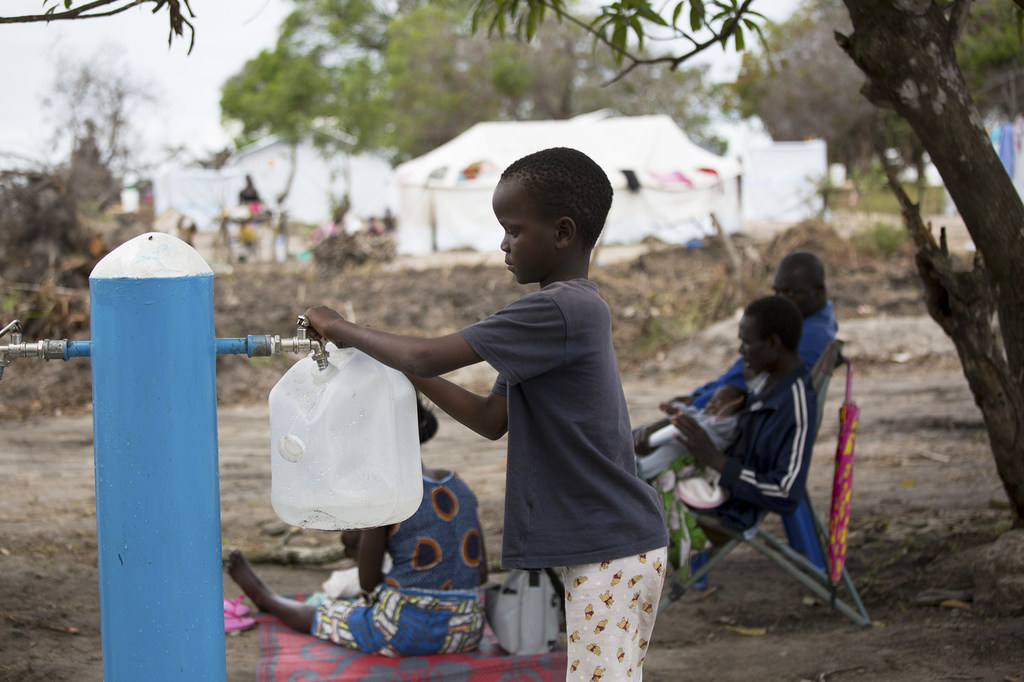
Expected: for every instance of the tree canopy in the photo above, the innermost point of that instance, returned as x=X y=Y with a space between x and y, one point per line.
x=410 y=77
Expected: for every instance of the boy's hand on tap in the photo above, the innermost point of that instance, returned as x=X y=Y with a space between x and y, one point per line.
x=320 y=319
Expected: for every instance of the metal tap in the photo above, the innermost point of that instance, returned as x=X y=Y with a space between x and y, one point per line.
x=46 y=349
x=319 y=351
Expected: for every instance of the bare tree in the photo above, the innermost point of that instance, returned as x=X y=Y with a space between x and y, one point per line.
x=92 y=104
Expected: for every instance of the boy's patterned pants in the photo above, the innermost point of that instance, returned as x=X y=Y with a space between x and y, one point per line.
x=610 y=609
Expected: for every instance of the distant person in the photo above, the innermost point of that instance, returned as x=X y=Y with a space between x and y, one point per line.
x=573 y=499
x=799 y=277
x=374 y=226
x=428 y=601
x=249 y=197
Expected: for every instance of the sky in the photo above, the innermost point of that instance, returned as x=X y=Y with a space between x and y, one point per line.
x=228 y=33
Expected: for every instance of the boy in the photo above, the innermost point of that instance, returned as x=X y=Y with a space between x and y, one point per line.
x=572 y=499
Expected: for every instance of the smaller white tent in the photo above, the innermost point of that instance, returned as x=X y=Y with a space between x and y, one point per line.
x=201 y=194
x=319 y=182
x=782 y=180
x=445 y=195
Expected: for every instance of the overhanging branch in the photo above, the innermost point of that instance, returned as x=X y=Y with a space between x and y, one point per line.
x=727 y=31
x=107 y=8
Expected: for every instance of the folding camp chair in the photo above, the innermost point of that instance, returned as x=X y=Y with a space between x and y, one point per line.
x=802 y=557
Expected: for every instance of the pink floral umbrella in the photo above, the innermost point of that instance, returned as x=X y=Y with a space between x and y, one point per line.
x=842 y=483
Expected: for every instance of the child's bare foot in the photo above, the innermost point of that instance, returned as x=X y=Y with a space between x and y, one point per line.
x=242 y=573
x=295 y=614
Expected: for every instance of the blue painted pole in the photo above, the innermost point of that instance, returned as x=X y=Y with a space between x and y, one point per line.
x=157 y=494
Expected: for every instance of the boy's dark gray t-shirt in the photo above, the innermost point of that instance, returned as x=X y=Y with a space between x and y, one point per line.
x=572 y=495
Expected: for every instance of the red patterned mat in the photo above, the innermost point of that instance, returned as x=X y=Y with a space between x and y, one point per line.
x=288 y=655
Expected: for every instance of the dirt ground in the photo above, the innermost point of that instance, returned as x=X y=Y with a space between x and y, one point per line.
x=927 y=504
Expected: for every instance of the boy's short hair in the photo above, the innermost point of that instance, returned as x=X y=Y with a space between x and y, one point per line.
x=566 y=182
x=777 y=315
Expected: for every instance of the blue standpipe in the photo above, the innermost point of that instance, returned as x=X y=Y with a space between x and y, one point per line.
x=153 y=355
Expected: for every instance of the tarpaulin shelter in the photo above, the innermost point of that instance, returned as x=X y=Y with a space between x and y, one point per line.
x=200 y=194
x=665 y=185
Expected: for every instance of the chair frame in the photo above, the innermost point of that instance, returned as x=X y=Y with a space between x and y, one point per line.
x=795 y=564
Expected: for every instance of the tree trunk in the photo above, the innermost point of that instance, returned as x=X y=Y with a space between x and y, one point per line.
x=906 y=50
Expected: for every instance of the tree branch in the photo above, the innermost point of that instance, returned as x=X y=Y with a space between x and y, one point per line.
x=108 y=8
x=634 y=61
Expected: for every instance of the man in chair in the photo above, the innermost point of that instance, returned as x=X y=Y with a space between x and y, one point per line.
x=766 y=468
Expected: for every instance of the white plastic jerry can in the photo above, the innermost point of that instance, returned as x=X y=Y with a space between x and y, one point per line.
x=344 y=444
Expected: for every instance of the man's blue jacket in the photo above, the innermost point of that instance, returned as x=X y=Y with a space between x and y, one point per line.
x=766 y=468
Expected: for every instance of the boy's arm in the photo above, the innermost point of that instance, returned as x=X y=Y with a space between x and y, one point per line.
x=412 y=355
x=487 y=415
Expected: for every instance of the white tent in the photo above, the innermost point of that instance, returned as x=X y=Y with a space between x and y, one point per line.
x=445 y=195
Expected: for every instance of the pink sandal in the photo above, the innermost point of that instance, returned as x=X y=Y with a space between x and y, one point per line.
x=236 y=623
x=234 y=615
x=235 y=607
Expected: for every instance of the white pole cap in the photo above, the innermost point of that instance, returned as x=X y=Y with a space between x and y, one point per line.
x=154 y=254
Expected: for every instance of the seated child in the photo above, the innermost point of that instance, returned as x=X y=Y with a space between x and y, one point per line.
x=429 y=602
x=656 y=444
x=664 y=461
x=344 y=583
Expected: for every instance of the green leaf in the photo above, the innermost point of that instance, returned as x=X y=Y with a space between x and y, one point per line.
x=619 y=36
x=676 y=11
x=535 y=15
x=645 y=11
x=696 y=14
x=638 y=29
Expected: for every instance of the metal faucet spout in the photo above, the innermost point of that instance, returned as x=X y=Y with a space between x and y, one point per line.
x=318 y=348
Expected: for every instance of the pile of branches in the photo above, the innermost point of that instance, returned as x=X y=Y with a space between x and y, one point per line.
x=45 y=255
x=338 y=252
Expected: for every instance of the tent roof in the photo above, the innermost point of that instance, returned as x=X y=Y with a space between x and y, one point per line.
x=657 y=151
